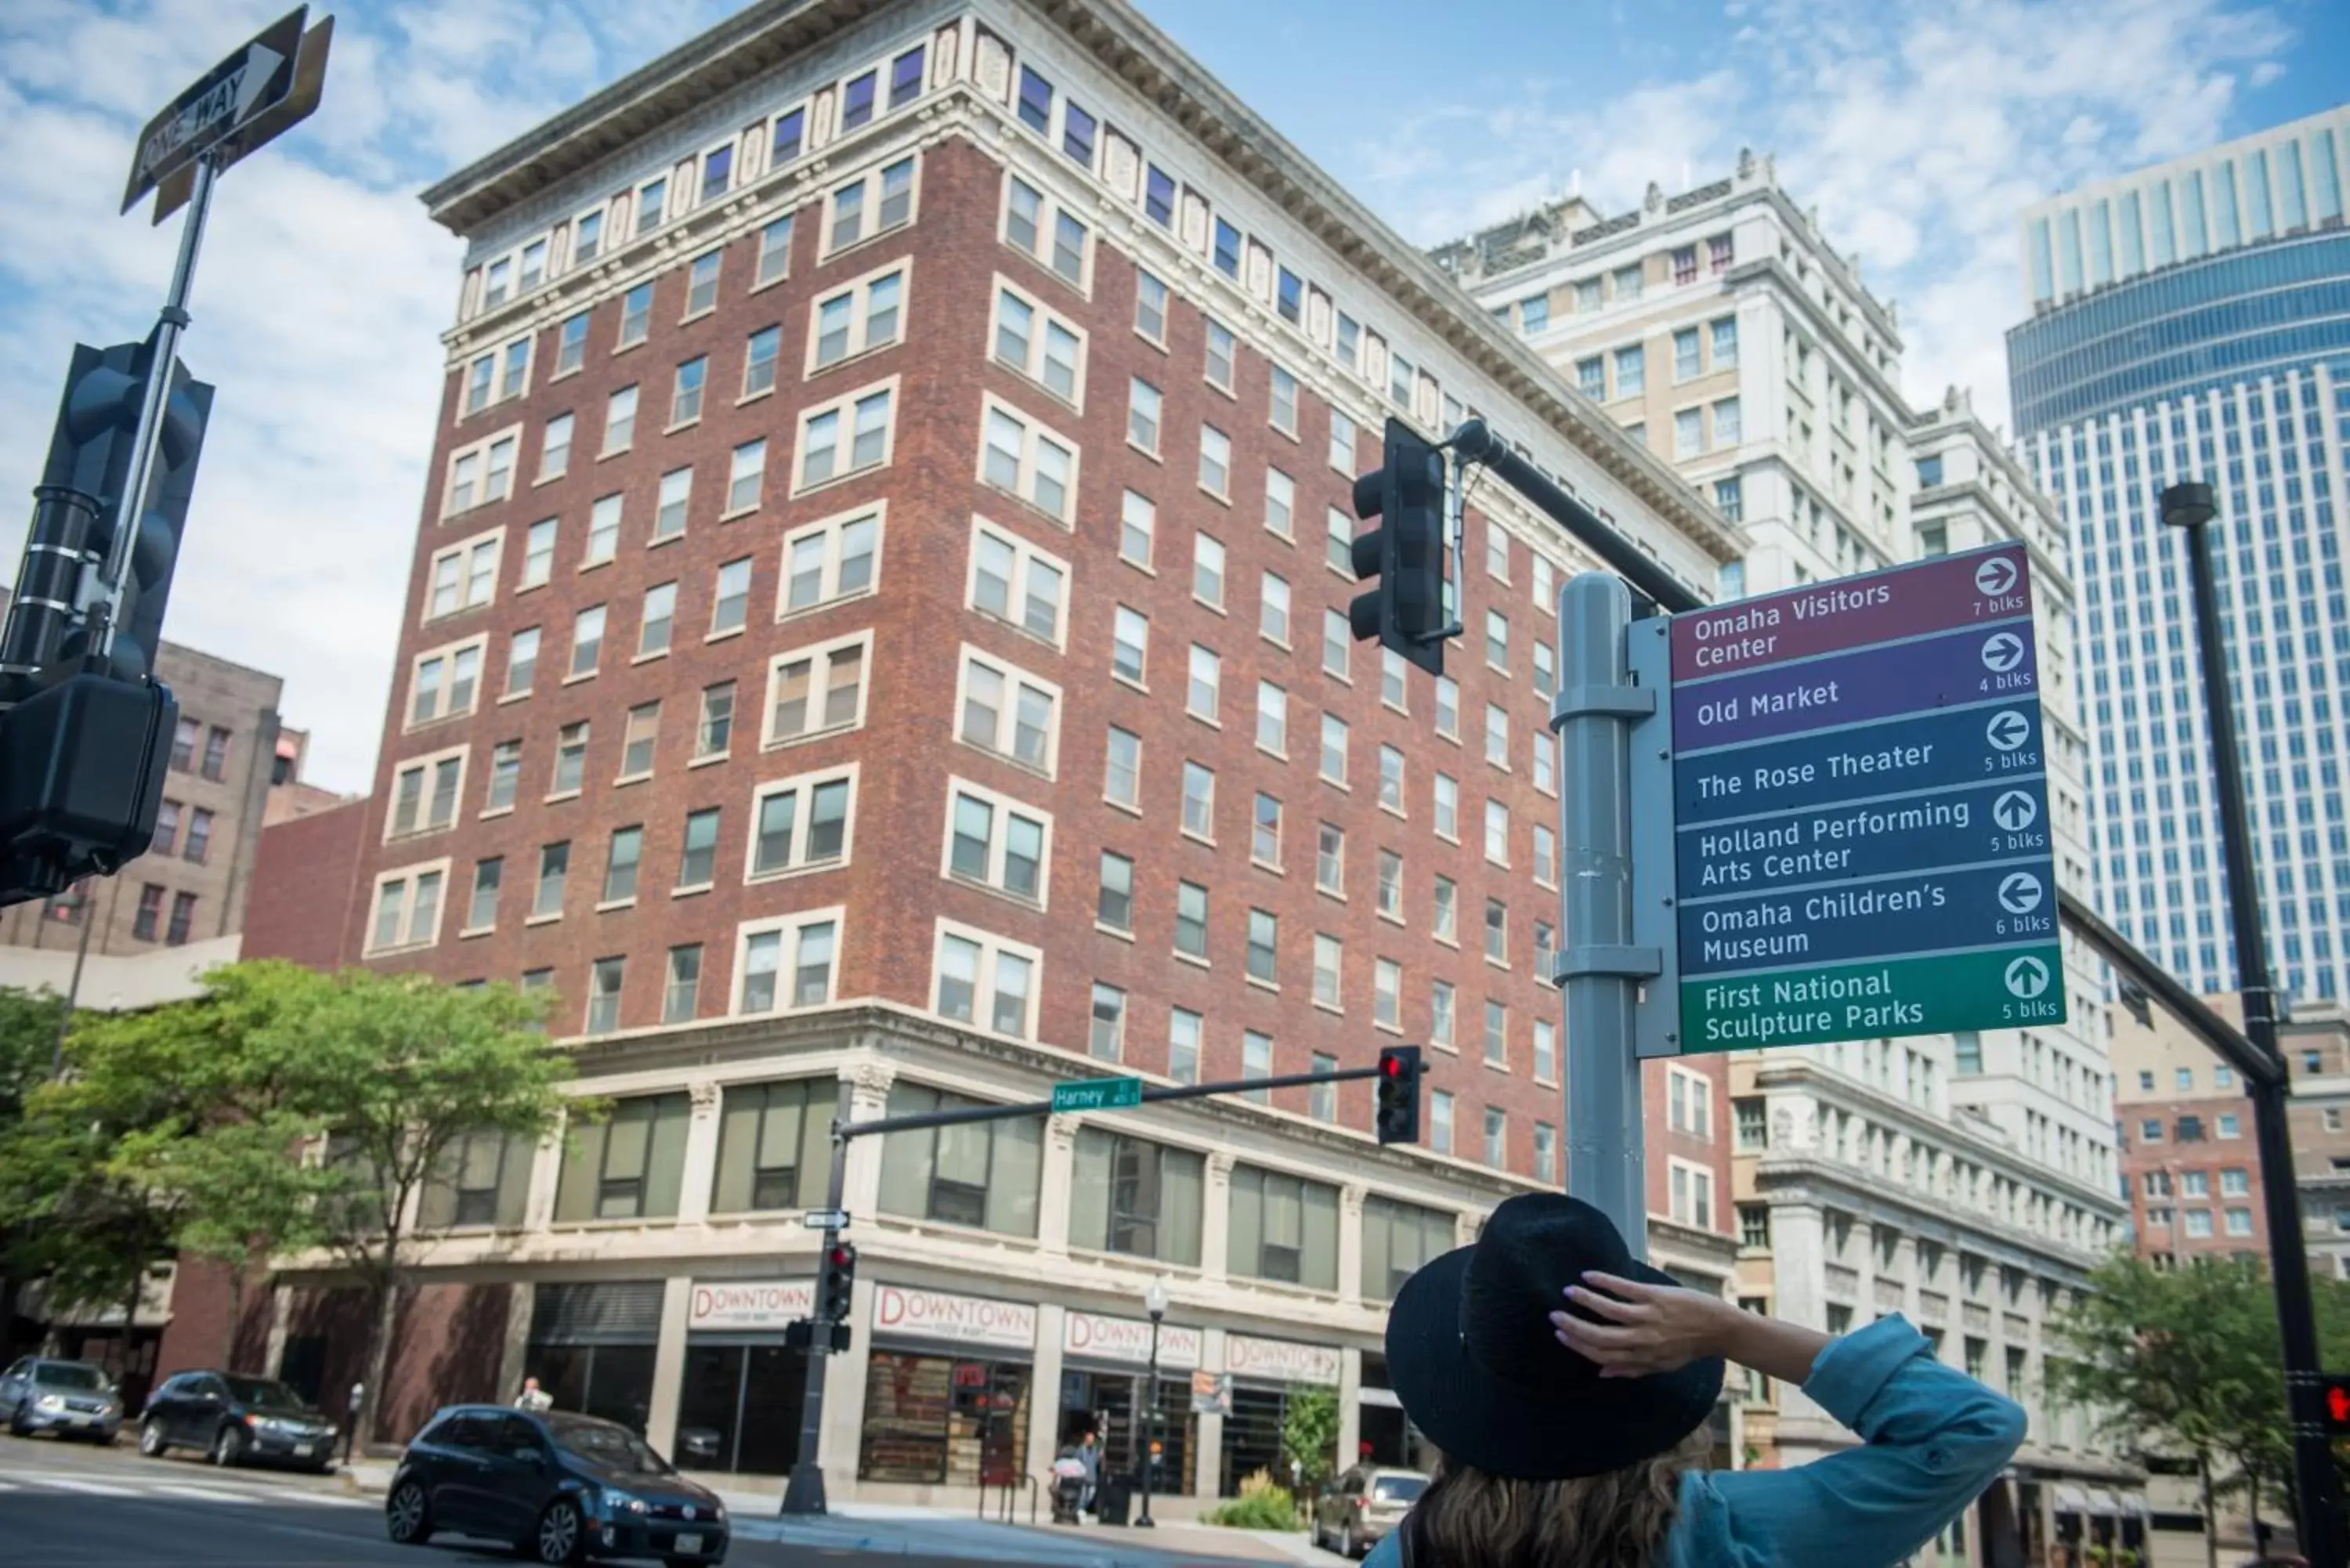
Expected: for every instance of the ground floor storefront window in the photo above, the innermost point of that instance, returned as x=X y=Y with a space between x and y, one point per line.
x=592 y=1348
x=1104 y=1403
x=739 y=1407
x=1252 y=1438
x=934 y=1420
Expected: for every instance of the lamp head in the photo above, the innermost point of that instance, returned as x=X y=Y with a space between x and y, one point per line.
x=1154 y=1300
x=2188 y=505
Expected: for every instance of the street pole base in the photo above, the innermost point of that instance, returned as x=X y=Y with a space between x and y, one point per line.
x=805 y=1492
x=1145 y=1522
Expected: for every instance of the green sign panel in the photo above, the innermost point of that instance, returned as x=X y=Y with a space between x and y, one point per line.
x=1097 y=1094
x=2000 y=988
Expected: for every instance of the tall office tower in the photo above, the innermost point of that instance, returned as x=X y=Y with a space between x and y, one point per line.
x=2191 y=321
x=879 y=629
x=1968 y=1181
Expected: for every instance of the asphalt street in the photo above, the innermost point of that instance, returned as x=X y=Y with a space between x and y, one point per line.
x=71 y=1506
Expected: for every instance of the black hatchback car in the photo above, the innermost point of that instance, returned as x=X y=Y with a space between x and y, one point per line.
x=236 y=1419
x=560 y=1488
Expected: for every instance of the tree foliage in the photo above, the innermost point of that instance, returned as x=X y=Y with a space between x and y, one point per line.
x=1309 y=1435
x=2188 y=1360
x=281 y=1111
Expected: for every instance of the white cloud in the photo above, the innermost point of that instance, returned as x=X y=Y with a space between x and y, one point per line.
x=1918 y=128
x=318 y=305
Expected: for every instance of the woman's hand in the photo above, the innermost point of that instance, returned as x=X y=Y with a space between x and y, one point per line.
x=1645 y=1328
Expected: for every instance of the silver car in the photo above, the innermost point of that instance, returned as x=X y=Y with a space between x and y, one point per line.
x=1356 y=1511
x=70 y=1398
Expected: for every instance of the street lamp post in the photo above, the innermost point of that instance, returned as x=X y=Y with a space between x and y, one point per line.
x=2190 y=507
x=1154 y=1302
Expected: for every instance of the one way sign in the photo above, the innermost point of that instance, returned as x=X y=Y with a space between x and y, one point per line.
x=223 y=100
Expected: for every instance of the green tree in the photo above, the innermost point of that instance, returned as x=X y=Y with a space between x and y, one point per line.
x=1309 y=1435
x=2188 y=1360
x=395 y=1070
x=28 y=1033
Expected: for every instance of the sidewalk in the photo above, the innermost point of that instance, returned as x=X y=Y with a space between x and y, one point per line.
x=937 y=1532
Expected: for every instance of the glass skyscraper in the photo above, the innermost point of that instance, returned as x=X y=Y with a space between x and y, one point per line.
x=2192 y=321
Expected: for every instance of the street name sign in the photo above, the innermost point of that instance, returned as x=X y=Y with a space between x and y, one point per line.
x=1097 y=1094
x=256 y=77
x=1860 y=843
x=826 y=1219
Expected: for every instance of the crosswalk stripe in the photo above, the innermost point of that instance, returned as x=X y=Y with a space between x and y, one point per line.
x=95 y=1489
x=203 y=1493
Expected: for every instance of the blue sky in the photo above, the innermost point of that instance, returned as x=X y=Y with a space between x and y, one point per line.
x=1917 y=128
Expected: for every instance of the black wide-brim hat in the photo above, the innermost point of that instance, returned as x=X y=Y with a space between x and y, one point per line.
x=1479 y=1370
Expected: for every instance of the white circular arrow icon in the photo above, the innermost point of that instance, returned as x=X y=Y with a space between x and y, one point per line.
x=2002 y=651
x=2019 y=894
x=2015 y=811
x=2027 y=977
x=1995 y=576
x=2008 y=730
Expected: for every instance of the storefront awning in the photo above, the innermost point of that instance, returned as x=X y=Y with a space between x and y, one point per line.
x=2101 y=1504
x=2071 y=1499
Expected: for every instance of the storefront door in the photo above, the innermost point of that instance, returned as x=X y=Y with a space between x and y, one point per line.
x=591 y=1348
x=739 y=1409
x=1103 y=1402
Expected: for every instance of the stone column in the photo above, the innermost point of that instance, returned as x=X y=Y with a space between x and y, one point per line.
x=1350 y=1405
x=668 y=1362
x=546 y=1173
x=1215 y=1234
x=522 y=1301
x=1350 y=1245
x=281 y=1312
x=1045 y=1393
x=1053 y=1200
x=700 y=1153
x=1208 y=1451
x=869 y=1081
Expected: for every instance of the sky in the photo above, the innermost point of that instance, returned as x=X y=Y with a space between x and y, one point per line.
x=1918 y=128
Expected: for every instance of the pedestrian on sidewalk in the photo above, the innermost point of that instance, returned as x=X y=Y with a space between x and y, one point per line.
x=533 y=1398
x=1567 y=1388
x=1089 y=1455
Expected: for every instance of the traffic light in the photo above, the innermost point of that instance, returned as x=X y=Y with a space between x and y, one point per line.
x=1398 y=1120
x=155 y=541
x=2333 y=1394
x=837 y=1283
x=1406 y=609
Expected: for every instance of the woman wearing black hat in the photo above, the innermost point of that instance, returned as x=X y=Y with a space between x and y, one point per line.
x=1567 y=1388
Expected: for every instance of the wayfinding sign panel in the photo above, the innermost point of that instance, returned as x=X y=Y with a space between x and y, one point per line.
x=1861 y=832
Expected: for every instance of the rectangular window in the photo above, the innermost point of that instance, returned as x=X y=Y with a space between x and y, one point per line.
x=1448 y=807
x=1387 y=995
x=1497 y=640
x=790 y=135
x=986 y=1175
x=636 y=315
x=802 y=823
x=1024 y=458
x=1200 y=801
x=1440 y=1007
x=1203 y=690
x=1280 y=502
x=1272 y=719
x=603 y=531
x=1497 y=931
x=1333 y=750
x=697 y=861
x=407 y=910
x=1273 y=609
x=1038 y=344
x=1078 y=130
x=1391 y=778
x=774 y=261
x=1689 y=432
x=652 y=205
x=1328 y=960
x=827 y=562
x=620 y=865
x=463 y=576
x=587 y=641
x=1686 y=366
x=906 y=79
x=1497 y=1138
x=1122 y=772
x=1264 y=841
x=1321 y=1099
x=1227 y=249
x=1142 y=414
x=424 y=794
x=1105 y=1038
x=1208 y=570
x=1342 y=443
x=506 y=776
x=444 y=683
x=1439 y=1122
x=1183 y=1030
x=638 y=740
x=868 y=207
x=716 y=730
x=1724 y=334
x=788 y=964
x=1139 y=1199
x=1222 y=355
x=857 y=320
x=1545 y=1063
x=1114 y=900
x=1040 y=227
x=1284 y=407
x=1192 y=919
x=813 y=691
x=658 y=619
x=1330 y=859
x=630 y=1166
x=685 y=398
x=995 y=843
x=554 y=872
x=986 y=981
x=619 y=420
x=570 y=760
x=1389 y=893
x=1129 y=645
x=851 y=435
x=1631 y=372
x=571 y=343
x=1263 y=944
x=1284 y=1229
x=1150 y=308
x=1497 y=1035
x=1006 y=710
x=1728 y=426
x=770 y=1144
x=1591 y=378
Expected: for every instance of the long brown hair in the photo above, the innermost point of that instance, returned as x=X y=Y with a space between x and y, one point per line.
x=1468 y=1519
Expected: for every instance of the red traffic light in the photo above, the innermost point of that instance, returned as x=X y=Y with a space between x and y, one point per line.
x=1392 y=1067
x=841 y=1257
x=2337 y=1405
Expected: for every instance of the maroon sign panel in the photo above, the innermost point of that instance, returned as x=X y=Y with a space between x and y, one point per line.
x=1940 y=594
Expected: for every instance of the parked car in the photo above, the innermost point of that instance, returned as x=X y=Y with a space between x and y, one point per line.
x=1356 y=1511
x=237 y=1420
x=560 y=1488
x=71 y=1399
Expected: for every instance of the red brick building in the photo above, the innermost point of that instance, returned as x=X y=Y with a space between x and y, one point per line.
x=877 y=631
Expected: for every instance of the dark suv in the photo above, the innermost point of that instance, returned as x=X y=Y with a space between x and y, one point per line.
x=559 y=1488
x=235 y=1419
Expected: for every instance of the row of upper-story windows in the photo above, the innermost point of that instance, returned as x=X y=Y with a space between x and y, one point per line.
x=1676 y=266
x=1129 y=1196
x=769 y=144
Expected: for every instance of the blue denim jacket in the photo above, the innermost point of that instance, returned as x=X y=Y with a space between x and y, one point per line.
x=1935 y=1439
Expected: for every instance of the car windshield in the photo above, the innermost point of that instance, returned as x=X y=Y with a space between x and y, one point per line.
x=69 y=1375
x=1398 y=1488
x=605 y=1446
x=262 y=1393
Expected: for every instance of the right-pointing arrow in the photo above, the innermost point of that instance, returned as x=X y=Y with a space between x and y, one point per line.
x=261 y=63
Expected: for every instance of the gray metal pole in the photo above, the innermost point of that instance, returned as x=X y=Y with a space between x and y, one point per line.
x=2320 y=1511
x=172 y=320
x=89 y=912
x=1600 y=967
x=804 y=1492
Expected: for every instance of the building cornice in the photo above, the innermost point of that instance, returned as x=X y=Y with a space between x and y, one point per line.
x=765 y=36
x=1811 y=1179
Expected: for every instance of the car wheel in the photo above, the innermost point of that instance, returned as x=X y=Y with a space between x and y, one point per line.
x=17 y=1424
x=228 y=1447
x=406 y=1518
x=561 y=1533
x=151 y=1441
x=1347 y=1541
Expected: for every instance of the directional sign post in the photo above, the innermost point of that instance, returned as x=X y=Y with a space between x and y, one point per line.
x=1856 y=824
